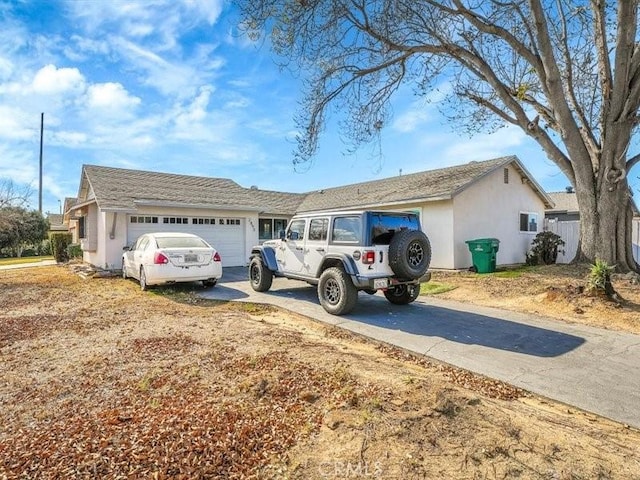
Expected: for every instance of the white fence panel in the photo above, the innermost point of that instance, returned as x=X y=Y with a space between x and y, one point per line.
x=569 y=231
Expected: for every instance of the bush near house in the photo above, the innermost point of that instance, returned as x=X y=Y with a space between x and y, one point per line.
x=544 y=249
x=59 y=244
x=74 y=250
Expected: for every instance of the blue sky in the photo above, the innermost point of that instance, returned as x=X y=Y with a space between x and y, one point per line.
x=172 y=86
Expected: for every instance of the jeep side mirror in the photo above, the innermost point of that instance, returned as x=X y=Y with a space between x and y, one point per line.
x=294 y=236
x=126 y=248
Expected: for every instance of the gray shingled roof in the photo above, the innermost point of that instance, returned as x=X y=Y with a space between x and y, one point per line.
x=565 y=202
x=442 y=183
x=568 y=202
x=123 y=189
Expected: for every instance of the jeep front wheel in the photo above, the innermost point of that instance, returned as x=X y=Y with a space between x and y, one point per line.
x=260 y=276
x=336 y=292
x=402 y=294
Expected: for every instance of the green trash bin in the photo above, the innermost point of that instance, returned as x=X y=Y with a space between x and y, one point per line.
x=483 y=254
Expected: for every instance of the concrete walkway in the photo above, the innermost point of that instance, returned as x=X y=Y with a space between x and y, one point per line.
x=42 y=263
x=593 y=369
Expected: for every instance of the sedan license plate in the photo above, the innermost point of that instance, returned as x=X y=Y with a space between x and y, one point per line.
x=190 y=258
x=380 y=283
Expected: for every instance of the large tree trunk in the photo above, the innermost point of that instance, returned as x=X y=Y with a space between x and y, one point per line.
x=606 y=224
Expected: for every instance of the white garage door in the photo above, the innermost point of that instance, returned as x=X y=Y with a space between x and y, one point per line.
x=226 y=234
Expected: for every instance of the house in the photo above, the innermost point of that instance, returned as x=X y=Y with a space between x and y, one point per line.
x=564 y=220
x=69 y=223
x=494 y=198
x=56 y=224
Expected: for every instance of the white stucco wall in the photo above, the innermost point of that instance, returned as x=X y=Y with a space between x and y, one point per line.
x=491 y=209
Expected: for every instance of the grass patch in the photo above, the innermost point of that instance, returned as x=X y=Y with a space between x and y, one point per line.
x=434 y=288
x=18 y=261
x=512 y=272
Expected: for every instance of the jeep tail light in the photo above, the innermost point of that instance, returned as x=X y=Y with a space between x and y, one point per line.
x=368 y=256
x=160 y=258
x=216 y=257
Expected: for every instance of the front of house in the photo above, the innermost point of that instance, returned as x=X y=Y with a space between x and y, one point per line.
x=497 y=198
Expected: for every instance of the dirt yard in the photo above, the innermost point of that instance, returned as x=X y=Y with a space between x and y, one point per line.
x=100 y=380
x=553 y=291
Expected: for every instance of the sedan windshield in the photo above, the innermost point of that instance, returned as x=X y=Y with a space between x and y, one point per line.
x=180 y=242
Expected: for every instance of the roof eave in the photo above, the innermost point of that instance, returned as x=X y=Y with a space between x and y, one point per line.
x=364 y=206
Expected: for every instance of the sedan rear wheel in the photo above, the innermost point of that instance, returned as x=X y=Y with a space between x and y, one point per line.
x=143 y=280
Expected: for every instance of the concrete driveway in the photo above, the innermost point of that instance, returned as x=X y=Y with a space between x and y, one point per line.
x=593 y=369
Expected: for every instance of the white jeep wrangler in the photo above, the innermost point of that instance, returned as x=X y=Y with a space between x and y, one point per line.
x=344 y=252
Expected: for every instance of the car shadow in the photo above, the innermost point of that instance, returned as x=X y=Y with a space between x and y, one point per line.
x=465 y=327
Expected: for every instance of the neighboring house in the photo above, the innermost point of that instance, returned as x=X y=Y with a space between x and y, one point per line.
x=564 y=220
x=115 y=206
x=70 y=223
x=491 y=199
x=56 y=224
x=495 y=198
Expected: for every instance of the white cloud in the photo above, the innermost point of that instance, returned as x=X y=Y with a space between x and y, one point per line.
x=15 y=124
x=485 y=146
x=412 y=119
x=50 y=80
x=111 y=97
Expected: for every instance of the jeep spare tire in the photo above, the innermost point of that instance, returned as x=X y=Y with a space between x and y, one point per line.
x=409 y=254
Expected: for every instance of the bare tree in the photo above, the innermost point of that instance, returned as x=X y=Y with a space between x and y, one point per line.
x=12 y=196
x=567 y=72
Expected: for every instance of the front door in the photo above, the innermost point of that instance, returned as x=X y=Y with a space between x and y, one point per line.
x=290 y=254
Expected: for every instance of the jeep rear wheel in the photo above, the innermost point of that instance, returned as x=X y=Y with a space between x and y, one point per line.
x=260 y=276
x=402 y=294
x=409 y=254
x=336 y=292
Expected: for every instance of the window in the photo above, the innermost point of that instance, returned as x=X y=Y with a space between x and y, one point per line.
x=82 y=229
x=296 y=227
x=318 y=229
x=506 y=175
x=528 y=222
x=203 y=221
x=346 y=230
x=141 y=219
x=384 y=225
x=265 y=229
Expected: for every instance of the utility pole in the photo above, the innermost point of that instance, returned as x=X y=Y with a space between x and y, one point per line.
x=40 y=191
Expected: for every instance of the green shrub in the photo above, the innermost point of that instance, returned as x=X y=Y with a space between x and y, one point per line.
x=74 y=250
x=600 y=277
x=544 y=249
x=59 y=244
x=44 y=248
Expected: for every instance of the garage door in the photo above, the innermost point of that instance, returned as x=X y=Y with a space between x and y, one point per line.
x=226 y=234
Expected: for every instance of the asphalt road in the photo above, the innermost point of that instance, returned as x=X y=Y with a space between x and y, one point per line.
x=593 y=369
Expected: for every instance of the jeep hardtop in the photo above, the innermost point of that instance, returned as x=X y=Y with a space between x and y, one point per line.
x=345 y=252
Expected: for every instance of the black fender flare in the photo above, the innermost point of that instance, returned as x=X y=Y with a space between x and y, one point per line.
x=268 y=256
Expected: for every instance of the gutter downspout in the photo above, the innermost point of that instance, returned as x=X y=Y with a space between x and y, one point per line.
x=112 y=233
